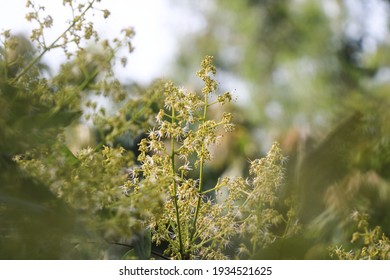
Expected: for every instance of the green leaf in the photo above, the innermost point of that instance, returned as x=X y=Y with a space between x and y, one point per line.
x=143 y=246
x=130 y=255
x=70 y=157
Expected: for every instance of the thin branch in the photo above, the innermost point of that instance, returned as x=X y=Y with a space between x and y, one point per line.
x=175 y=190
x=53 y=44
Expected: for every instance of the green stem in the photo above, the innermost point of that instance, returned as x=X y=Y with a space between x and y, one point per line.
x=53 y=44
x=217 y=187
x=254 y=247
x=201 y=167
x=181 y=248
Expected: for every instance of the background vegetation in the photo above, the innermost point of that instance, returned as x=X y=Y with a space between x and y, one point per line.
x=297 y=167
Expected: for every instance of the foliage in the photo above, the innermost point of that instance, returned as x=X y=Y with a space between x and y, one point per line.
x=148 y=182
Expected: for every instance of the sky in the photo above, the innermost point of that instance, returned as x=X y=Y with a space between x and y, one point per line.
x=158 y=26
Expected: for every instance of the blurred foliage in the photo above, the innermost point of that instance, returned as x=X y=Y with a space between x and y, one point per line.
x=30 y=227
x=314 y=75
x=29 y=211
x=62 y=171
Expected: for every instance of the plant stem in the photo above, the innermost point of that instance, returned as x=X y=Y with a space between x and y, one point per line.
x=201 y=167
x=175 y=190
x=254 y=246
x=217 y=187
